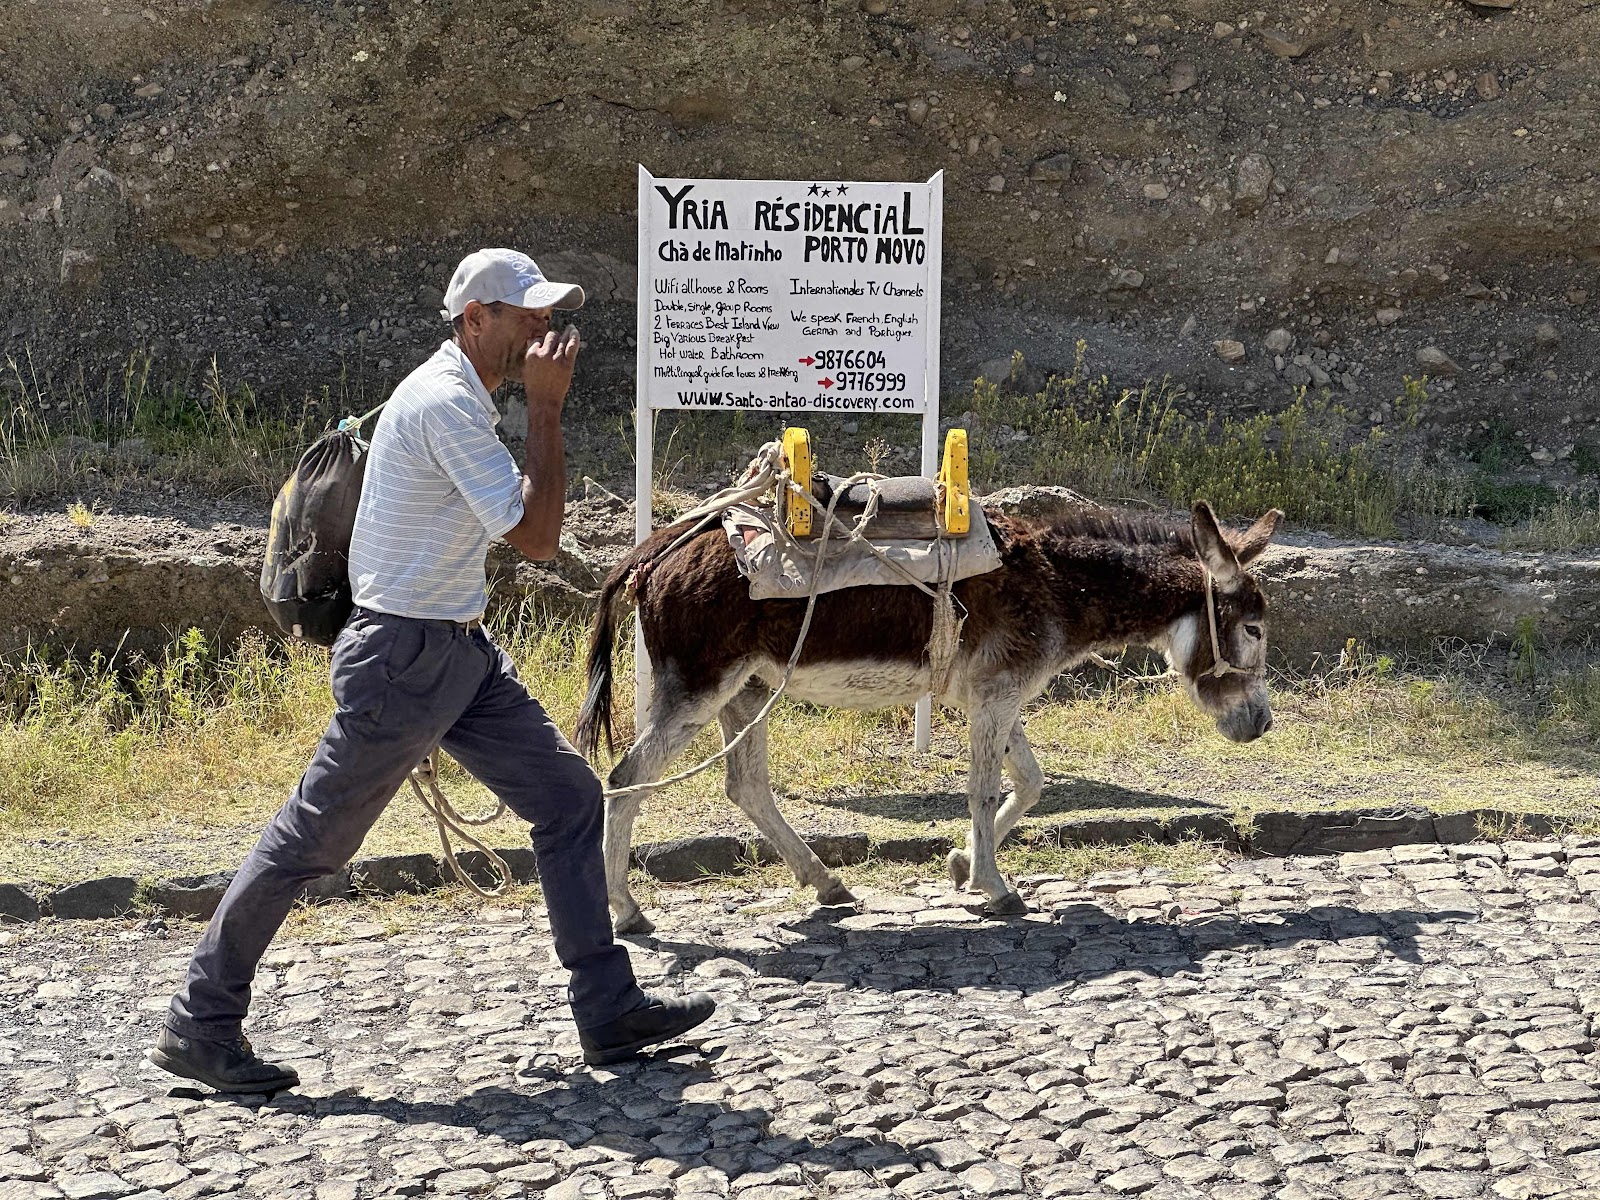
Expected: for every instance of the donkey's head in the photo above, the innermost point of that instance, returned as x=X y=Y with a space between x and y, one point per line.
x=1221 y=651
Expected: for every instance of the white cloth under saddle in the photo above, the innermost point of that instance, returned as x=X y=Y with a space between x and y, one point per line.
x=780 y=568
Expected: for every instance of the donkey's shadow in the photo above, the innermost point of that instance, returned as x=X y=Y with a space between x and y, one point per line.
x=1064 y=796
x=1085 y=945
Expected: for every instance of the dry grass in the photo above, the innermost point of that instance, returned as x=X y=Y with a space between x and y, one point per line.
x=161 y=768
x=73 y=435
x=1571 y=523
x=64 y=436
x=1313 y=459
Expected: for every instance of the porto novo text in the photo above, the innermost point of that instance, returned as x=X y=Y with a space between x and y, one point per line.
x=818 y=247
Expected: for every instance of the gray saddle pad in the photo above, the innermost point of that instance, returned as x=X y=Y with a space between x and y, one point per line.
x=779 y=569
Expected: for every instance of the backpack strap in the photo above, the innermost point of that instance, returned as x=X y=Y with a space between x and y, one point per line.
x=352 y=425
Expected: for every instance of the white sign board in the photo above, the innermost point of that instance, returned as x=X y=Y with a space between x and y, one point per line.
x=789 y=296
x=786 y=296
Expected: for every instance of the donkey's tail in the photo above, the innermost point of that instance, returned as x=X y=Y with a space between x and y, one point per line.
x=594 y=719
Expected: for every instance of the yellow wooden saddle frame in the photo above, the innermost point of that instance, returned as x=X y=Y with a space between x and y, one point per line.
x=954 y=491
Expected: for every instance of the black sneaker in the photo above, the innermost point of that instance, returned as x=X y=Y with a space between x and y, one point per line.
x=657 y=1020
x=228 y=1066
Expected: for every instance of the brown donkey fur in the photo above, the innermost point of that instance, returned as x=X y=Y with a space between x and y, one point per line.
x=1090 y=580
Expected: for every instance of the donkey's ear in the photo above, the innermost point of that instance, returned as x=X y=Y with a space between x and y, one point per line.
x=1212 y=546
x=1247 y=546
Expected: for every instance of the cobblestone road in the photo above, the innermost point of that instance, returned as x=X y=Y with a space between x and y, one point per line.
x=1416 y=1023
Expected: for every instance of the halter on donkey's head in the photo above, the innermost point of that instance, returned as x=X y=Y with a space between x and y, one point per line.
x=1222 y=666
x=1254 y=541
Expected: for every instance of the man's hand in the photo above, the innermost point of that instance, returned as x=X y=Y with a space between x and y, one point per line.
x=546 y=374
x=547 y=368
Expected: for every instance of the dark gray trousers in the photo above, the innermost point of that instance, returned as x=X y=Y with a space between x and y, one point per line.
x=402 y=686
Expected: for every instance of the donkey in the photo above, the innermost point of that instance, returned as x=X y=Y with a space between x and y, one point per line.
x=1092 y=579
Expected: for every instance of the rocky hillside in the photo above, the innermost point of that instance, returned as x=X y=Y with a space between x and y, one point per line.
x=1346 y=192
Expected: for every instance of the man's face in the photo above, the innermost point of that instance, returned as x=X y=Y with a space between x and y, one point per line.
x=504 y=333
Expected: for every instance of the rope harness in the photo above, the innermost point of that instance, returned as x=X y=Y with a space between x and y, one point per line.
x=766 y=474
x=769 y=472
x=1220 y=664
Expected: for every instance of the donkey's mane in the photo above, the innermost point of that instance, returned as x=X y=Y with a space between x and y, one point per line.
x=1122 y=525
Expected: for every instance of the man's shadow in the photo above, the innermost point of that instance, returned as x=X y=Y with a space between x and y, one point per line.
x=636 y=1111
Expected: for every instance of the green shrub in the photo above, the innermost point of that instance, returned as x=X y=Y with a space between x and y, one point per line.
x=1310 y=459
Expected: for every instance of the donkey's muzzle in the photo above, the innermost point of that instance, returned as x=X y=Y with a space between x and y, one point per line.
x=1245 y=722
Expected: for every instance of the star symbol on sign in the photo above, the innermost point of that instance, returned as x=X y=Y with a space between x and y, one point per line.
x=814 y=190
x=827 y=191
x=842 y=189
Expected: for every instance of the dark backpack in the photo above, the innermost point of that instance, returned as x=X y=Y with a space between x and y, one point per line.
x=306 y=578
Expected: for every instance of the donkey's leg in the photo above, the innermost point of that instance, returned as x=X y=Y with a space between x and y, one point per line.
x=991 y=720
x=749 y=786
x=1027 y=780
x=673 y=721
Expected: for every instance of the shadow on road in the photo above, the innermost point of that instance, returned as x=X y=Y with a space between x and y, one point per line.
x=653 y=1108
x=1084 y=944
x=1064 y=796
x=636 y=1110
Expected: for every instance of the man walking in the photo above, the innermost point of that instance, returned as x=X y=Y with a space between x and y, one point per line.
x=414 y=669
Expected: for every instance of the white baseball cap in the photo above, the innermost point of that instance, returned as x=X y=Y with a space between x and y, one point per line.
x=505 y=277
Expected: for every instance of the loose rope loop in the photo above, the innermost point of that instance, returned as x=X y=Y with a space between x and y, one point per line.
x=942 y=645
x=783 y=480
x=449 y=821
x=767 y=474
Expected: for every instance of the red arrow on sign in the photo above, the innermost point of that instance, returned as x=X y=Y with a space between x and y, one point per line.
x=825 y=383
x=808 y=360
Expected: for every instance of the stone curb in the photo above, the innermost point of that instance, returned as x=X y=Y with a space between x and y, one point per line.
x=684 y=860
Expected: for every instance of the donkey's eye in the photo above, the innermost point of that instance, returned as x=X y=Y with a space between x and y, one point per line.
x=1254 y=631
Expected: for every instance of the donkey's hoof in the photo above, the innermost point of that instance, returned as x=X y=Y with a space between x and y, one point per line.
x=835 y=895
x=959 y=866
x=1008 y=905
x=635 y=923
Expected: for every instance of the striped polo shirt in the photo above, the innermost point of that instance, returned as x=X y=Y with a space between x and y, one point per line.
x=439 y=487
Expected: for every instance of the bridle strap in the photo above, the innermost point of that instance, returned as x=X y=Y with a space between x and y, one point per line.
x=1220 y=665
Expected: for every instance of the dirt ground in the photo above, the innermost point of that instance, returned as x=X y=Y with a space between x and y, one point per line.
x=284 y=187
